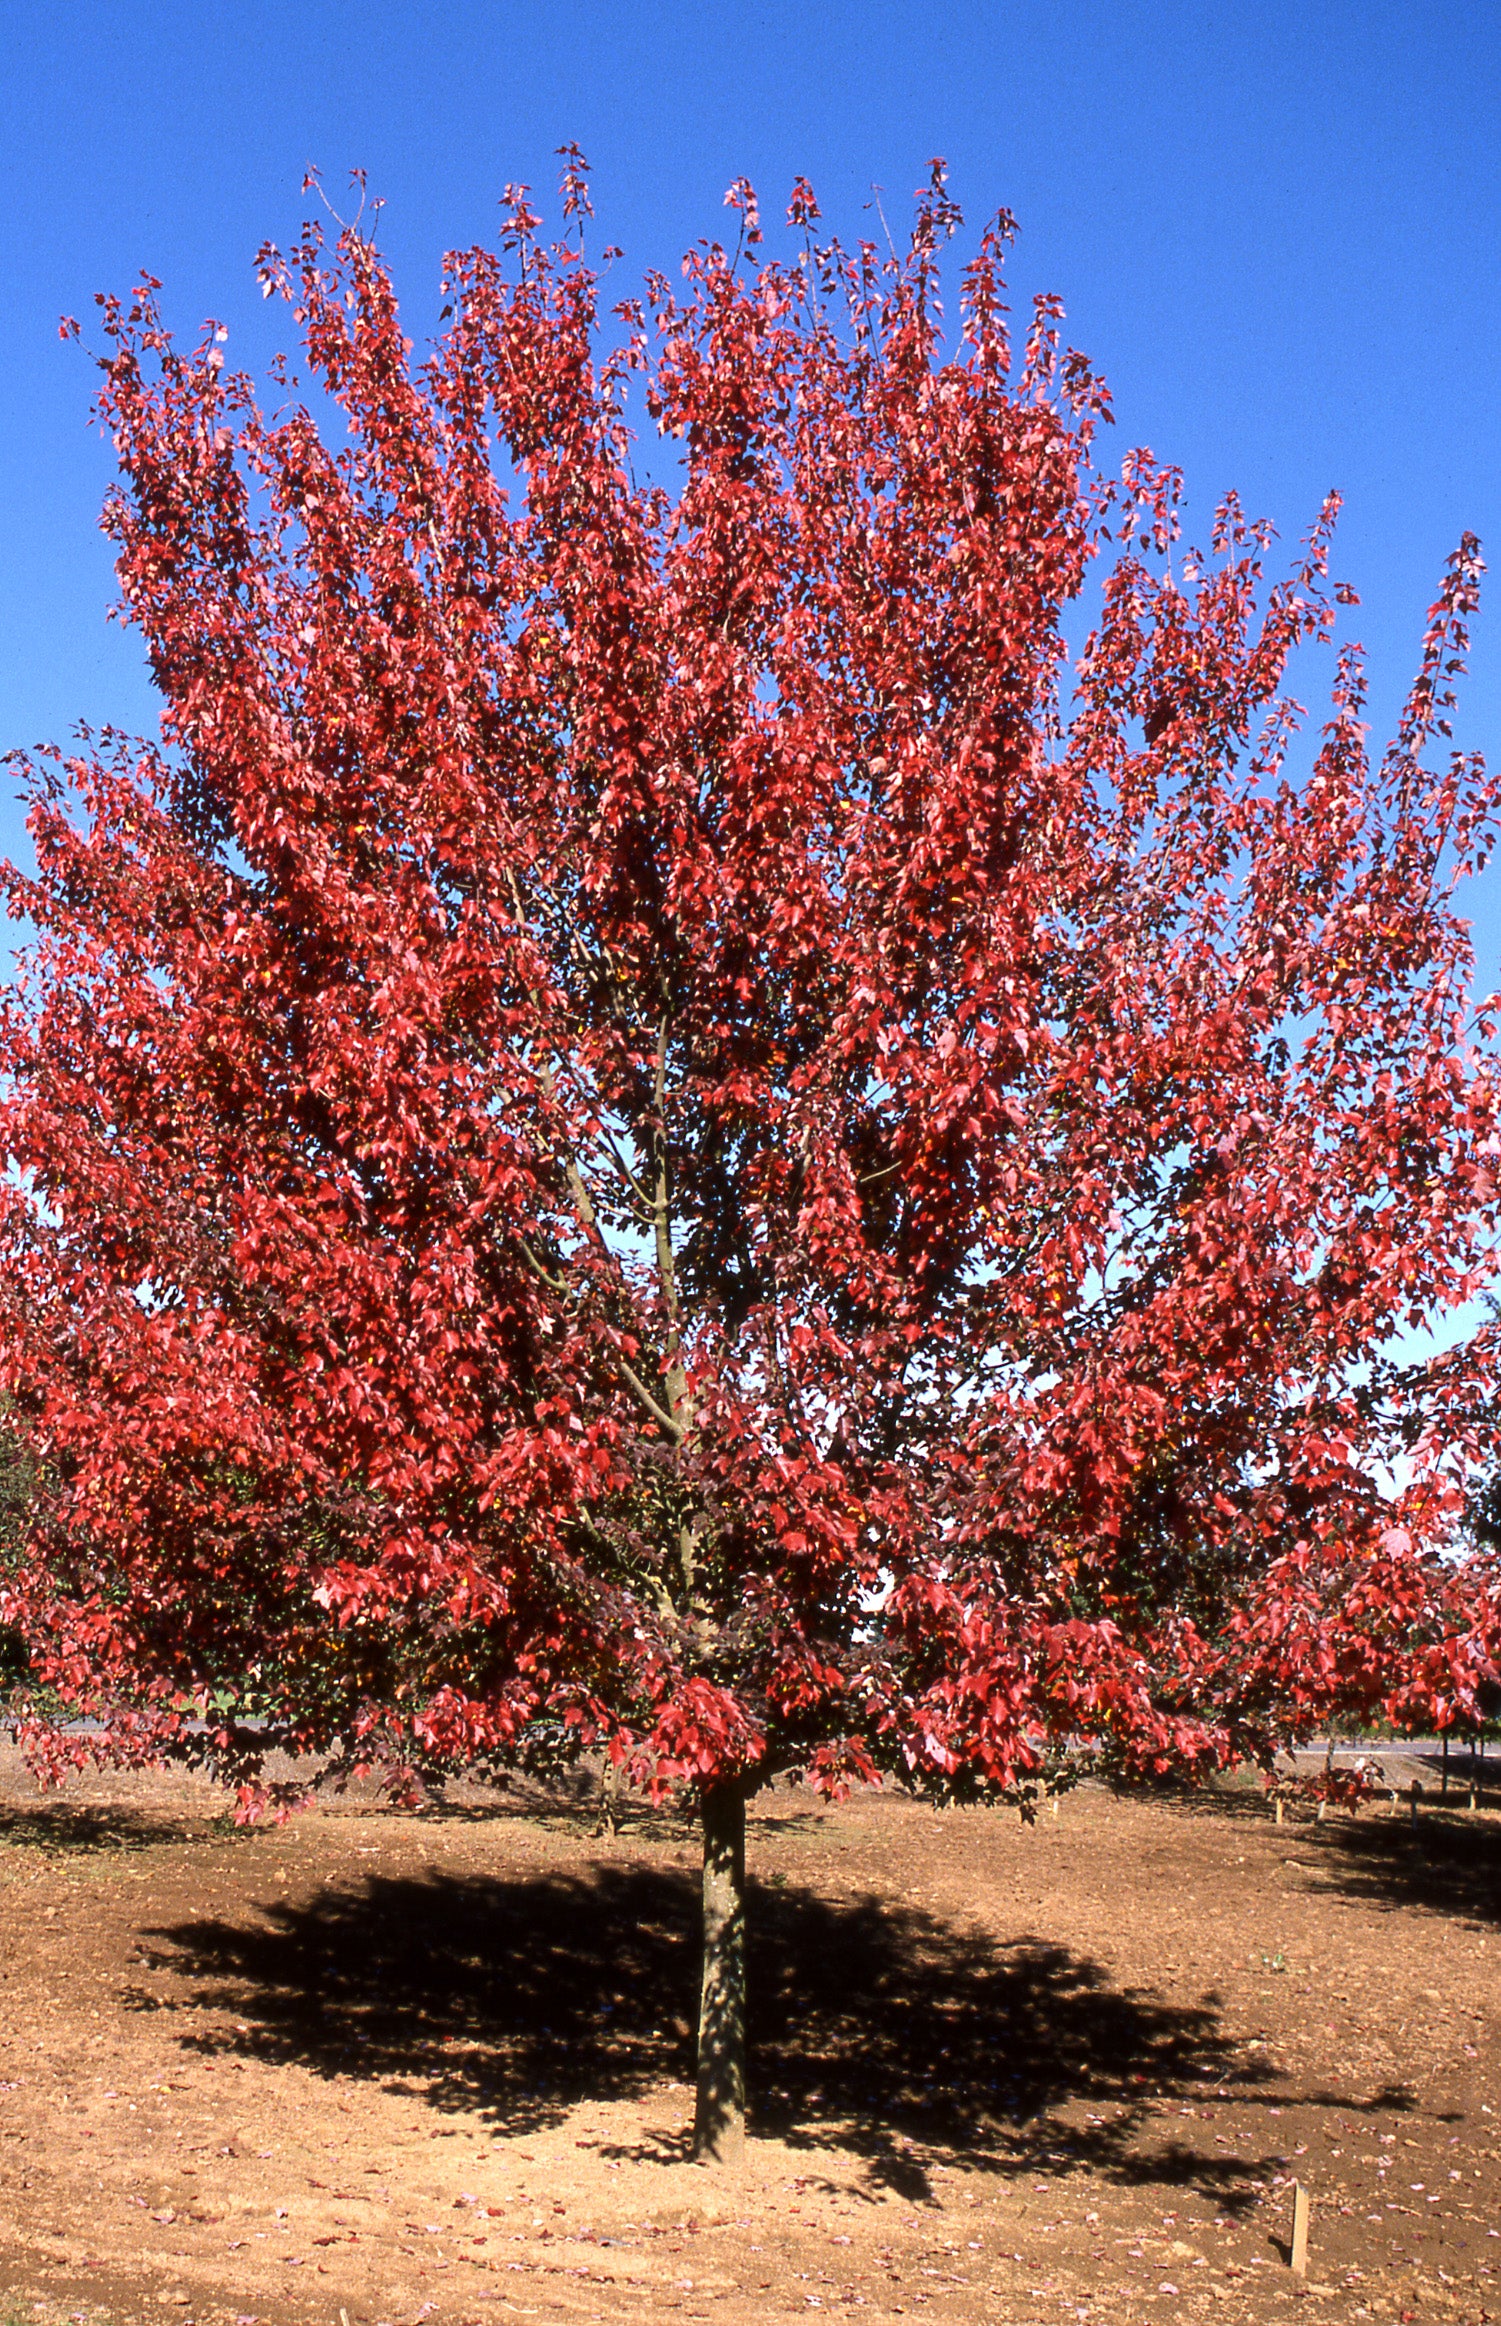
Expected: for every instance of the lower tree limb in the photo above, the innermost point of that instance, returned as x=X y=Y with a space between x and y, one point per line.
x=719 y=2116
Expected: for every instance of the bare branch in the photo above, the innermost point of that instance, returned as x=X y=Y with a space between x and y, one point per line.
x=673 y=1427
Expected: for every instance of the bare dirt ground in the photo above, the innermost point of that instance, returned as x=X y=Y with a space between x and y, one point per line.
x=372 y=2067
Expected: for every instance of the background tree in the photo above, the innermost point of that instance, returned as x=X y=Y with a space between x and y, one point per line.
x=646 y=1128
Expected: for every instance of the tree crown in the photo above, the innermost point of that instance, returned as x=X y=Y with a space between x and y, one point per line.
x=660 y=1122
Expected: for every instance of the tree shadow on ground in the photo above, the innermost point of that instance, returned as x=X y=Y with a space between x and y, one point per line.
x=574 y=1801
x=66 y=1829
x=1447 y=1863
x=875 y=2027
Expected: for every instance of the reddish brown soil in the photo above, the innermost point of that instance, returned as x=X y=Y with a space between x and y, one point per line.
x=402 y=2068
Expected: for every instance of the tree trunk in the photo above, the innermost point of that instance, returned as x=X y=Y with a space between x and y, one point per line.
x=609 y=1799
x=719 y=2117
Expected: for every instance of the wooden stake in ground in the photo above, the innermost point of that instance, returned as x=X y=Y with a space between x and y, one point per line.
x=719 y=2113
x=1299 y=2251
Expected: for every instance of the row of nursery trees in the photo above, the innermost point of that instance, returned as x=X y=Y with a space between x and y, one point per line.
x=730 y=1092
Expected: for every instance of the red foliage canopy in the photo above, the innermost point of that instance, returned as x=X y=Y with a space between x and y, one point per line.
x=662 y=1121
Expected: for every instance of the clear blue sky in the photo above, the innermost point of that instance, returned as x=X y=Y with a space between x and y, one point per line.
x=1275 y=228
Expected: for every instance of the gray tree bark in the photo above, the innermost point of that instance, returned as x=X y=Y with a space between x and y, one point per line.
x=719 y=2115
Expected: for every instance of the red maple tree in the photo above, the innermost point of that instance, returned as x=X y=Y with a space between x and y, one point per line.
x=661 y=1126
